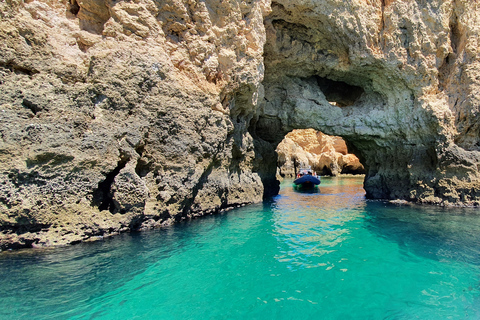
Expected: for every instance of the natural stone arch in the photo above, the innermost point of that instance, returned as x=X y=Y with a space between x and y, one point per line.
x=386 y=104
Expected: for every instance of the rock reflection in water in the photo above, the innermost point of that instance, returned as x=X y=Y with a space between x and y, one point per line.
x=310 y=225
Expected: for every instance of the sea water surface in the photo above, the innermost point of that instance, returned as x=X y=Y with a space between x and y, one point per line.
x=330 y=254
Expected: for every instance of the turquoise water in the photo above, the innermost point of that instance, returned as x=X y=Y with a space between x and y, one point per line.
x=330 y=254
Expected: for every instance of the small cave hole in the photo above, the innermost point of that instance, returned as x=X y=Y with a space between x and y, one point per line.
x=18 y=69
x=140 y=149
x=103 y=197
x=143 y=167
x=74 y=7
x=457 y=38
x=339 y=92
x=325 y=171
x=31 y=106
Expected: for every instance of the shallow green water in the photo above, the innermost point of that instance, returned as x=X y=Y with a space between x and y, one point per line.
x=324 y=255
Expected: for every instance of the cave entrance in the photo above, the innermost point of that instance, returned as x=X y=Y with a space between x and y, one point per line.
x=292 y=104
x=326 y=155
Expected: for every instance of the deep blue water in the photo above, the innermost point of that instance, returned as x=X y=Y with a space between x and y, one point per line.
x=330 y=254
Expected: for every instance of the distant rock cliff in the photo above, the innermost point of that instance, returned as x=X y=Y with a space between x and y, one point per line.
x=326 y=155
x=121 y=115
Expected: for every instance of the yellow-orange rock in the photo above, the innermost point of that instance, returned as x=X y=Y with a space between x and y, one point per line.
x=325 y=154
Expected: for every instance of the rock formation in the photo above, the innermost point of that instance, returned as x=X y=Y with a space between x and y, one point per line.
x=398 y=80
x=121 y=115
x=326 y=155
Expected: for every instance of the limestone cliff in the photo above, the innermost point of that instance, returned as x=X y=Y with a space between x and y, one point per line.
x=120 y=115
x=398 y=80
x=326 y=155
x=124 y=115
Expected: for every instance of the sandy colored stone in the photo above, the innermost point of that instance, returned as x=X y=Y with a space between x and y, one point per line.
x=119 y=116
x=327 y=155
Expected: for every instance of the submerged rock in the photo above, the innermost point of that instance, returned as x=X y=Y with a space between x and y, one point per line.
x=119 y=116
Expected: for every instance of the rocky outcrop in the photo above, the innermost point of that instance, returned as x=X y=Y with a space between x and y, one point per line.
x=398 y=80
x=326 y=155
x=121 y=115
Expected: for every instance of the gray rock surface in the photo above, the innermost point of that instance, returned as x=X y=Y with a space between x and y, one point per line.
x=121 y=116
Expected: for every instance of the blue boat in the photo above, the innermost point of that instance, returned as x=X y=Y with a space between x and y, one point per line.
x=306 y=178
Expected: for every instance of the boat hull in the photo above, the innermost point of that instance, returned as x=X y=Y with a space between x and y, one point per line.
x=307 y=181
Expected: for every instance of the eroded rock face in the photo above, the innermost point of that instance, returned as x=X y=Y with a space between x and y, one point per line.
x=125 y=115
x=326 y=155
x=398 y=80
x=121 y=115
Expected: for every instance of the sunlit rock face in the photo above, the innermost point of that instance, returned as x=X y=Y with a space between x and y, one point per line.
x=398 y=80
x=120 y=115
x=326 y=155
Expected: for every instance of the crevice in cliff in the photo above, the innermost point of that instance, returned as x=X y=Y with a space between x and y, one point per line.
x=143 y=167
x=340 y=93
x=188 y=202
x=457 y=38
x=91 y=18
x=457 y=43
x=382 y=20
x=73 y=7
x=102 y=196
x=280 y=7
x=15 y=68
x=31 y=106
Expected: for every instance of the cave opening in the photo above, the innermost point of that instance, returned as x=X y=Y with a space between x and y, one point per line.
x=103 y=196
x=339 y=93
x=294 y=103
x=74 y=7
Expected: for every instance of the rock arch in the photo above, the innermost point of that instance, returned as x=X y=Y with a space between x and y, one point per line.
x=380 y=83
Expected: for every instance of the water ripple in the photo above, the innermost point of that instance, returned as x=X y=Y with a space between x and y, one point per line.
x=325 y=255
